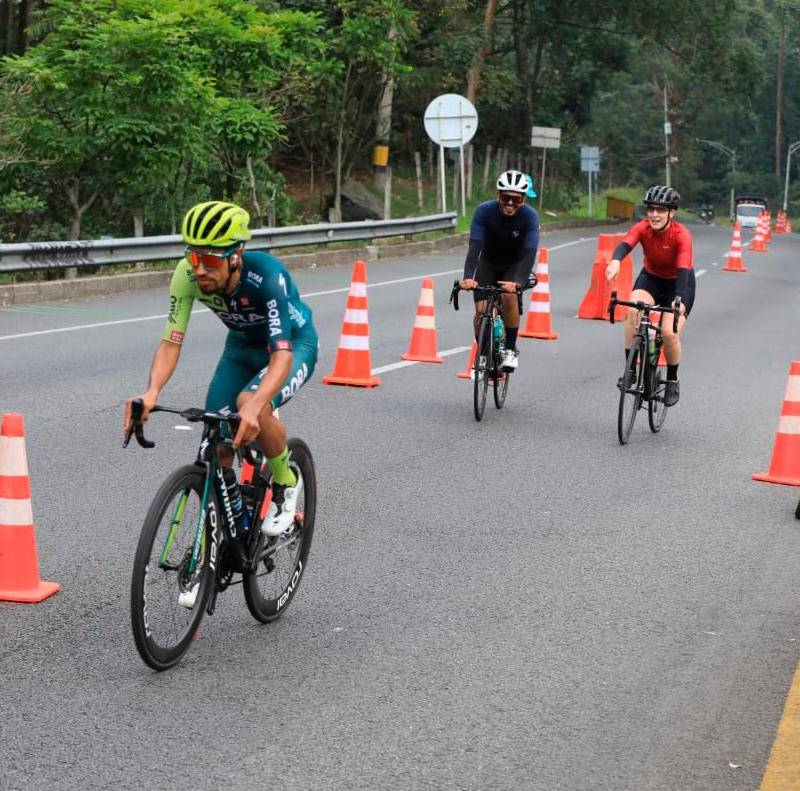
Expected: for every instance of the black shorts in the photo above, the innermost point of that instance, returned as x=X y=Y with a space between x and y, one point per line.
x=489 y=273
x=662 y=289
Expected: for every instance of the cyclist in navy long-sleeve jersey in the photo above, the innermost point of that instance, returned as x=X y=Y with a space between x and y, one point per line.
x=503 y=240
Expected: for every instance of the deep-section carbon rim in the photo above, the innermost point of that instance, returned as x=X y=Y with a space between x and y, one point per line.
x=163 y=628
x=271 y=589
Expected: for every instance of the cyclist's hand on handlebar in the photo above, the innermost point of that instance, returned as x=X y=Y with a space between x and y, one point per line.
x=148 y=402
x=612 y=270
x=248 y=424
x=679 y=306
x=510 y=286
x=468 y=284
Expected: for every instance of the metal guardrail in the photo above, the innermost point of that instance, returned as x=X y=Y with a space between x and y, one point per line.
x=106 y=252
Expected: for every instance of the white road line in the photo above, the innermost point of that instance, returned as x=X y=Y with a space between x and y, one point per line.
x=203 y=311
x=405 y=363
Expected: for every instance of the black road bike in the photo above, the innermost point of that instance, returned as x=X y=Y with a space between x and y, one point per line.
x=192 y=546
x=491 y=345
x=643 y=379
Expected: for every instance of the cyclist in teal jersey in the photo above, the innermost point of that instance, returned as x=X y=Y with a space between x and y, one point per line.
x=271 y=348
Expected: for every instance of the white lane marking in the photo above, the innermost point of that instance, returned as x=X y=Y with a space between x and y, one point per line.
x=394 y=366
x=701 y=272
x=203 y=311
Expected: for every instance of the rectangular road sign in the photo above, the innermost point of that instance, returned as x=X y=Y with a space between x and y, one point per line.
x=590 y=159
x=545 y=137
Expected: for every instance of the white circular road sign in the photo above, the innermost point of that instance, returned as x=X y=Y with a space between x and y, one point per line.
x=451 y=120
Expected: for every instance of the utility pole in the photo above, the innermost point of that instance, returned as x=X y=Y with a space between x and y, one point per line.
x=731 y=153
x=792 y=148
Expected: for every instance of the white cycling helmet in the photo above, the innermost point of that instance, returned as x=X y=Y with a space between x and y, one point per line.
x=513 y=181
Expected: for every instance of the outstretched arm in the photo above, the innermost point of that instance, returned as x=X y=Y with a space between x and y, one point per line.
x=163 y=366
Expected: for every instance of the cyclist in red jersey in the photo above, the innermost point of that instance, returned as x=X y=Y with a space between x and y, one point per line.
x=667 y=273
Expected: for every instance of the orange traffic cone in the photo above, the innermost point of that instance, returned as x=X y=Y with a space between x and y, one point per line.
x=757 y=244
x=467 y=372
x=767 y=227
x=538 y=323
x=595 y=303
x=353 y=364
x=19 y=567
x=422 y=347
x=780 y=222
x=734 y=255
x=785 y=464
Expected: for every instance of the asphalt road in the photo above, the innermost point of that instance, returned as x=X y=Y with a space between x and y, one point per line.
x=516 y=604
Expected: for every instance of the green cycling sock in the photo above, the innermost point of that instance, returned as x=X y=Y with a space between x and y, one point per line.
x=281 y=472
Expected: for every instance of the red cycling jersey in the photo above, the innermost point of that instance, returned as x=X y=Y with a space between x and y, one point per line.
x=665 y=252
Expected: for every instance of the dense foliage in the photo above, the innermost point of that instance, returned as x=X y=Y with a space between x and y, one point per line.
x=117 y=114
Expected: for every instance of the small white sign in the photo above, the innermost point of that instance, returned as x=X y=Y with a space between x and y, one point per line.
x=667 y=128
x=590 y=159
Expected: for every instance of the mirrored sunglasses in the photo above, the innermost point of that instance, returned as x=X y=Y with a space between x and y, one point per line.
x=207 y=259
x=511 y=198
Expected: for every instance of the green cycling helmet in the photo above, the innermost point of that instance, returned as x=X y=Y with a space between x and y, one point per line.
x=216 y=224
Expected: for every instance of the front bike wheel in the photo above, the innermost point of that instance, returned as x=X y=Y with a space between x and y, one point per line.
x=656 y=408
x=270 y=590
x=162 y=627
x=483 y=362
x=630 y=398
x=500 y=383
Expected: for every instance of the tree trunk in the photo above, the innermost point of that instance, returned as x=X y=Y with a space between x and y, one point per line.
x=138 y=231
x=418 y=168
x=7 y=11
x=521 y=51
x=78 y=208
x=383 y=123
x=779 y=96
x=22 y=24
x=253 y=190
x=337 y=196
x=474 y=73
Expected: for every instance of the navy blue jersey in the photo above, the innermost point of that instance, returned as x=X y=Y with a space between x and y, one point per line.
x=504 y=240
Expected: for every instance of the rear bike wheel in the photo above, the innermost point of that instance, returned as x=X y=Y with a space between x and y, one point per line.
x=270 y=590
x=483 y=363
x=656 y=408
x=630 y=398
x=162 y=628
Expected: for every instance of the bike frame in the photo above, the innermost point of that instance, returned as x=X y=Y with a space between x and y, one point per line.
x=207 y=458
x=642 y=331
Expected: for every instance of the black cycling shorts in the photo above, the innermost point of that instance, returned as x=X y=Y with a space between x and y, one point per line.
x=662 y=289
x=489 y=273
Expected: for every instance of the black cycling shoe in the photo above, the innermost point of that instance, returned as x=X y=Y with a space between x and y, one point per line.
x=672 y=392
x=630 y=380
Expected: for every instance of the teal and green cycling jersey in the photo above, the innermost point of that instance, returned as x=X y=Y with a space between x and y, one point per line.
x=265 y=308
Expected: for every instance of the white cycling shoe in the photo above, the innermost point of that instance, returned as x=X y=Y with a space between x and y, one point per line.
x=510 y=360
x=280 y=516
x=188 y=598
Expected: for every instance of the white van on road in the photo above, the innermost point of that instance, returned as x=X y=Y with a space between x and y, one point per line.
x=748 y=207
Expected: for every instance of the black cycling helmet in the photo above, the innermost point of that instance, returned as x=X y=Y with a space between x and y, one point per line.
x=662 y=196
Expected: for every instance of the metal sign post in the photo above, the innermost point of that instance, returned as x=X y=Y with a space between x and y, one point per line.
x=451 y=121
x=544 y=137
x=590 y=163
